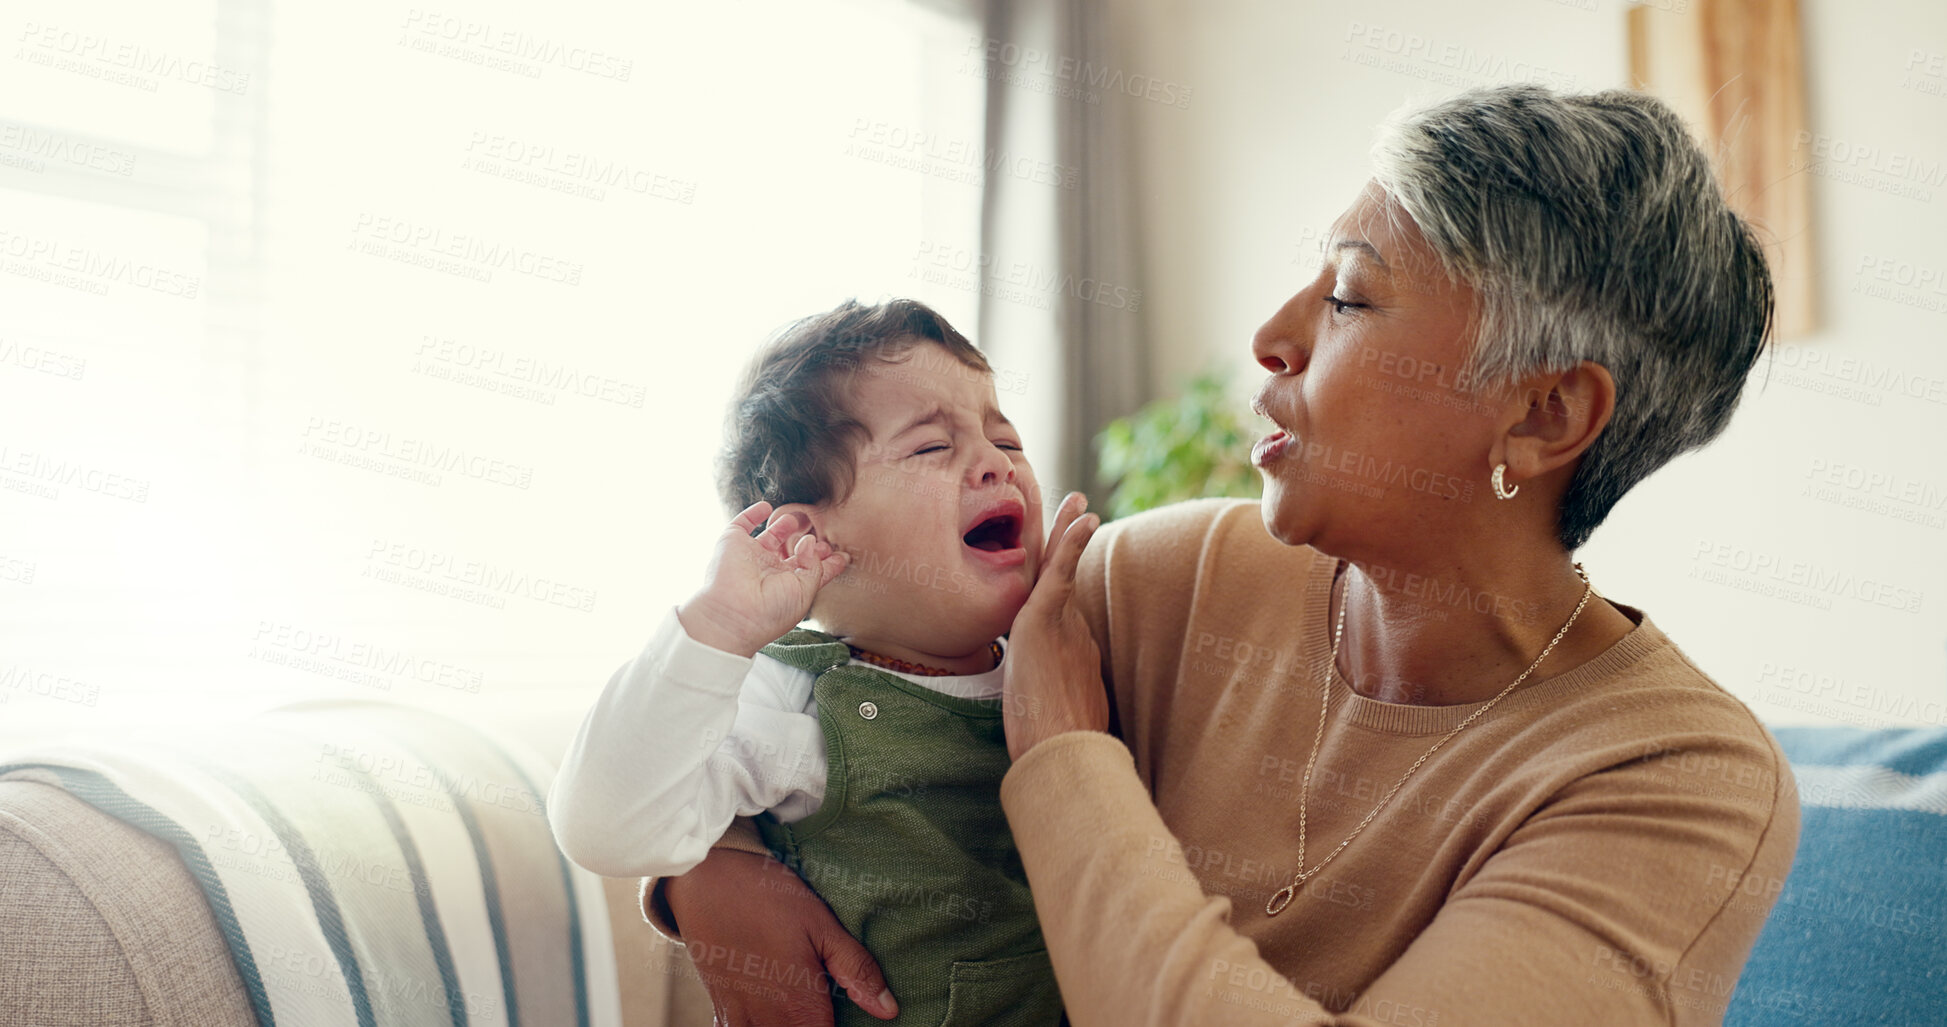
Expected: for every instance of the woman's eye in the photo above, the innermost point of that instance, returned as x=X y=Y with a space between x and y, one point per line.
x=940 y=448
x=1015 y=446
x=1340 y=306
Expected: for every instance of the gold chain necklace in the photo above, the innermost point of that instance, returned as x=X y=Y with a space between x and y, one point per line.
x=1284 y=895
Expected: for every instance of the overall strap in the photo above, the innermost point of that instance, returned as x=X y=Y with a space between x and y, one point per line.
x=813 y=651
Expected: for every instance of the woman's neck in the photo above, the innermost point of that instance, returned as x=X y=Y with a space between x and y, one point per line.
x=1451 y=635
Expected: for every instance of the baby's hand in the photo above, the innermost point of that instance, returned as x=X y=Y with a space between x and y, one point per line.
x=758 y=588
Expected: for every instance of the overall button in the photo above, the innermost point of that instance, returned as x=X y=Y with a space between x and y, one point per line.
x=868 y=709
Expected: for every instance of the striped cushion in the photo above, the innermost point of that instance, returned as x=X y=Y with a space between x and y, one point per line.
x=367 y=863
x=1859 y=932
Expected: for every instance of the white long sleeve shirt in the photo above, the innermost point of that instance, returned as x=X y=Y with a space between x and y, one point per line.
x=686 y=737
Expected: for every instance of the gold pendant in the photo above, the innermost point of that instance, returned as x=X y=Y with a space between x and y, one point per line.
x=1283 y=896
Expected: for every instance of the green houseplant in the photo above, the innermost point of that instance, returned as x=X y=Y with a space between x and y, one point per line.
x=1197 y=444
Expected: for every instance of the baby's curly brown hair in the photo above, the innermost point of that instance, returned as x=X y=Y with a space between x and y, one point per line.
x=790 y=435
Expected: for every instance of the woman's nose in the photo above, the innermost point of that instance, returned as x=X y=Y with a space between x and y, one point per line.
x=1280 y=345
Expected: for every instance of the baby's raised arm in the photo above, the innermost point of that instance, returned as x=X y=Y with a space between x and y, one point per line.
x=694 y=731
x=758 y=588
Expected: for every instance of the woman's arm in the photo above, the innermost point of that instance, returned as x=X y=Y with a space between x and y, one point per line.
x=1550 y=929
x=767 y=948
x=653 y=892
x=1136 y=941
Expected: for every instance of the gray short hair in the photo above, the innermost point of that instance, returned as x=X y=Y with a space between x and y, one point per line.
x=1592 y=228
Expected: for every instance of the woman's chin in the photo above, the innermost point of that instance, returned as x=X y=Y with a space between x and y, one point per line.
x=1281 y=521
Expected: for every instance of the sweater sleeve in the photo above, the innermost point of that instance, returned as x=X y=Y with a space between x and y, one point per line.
x=1585 y=914
x=683 y=739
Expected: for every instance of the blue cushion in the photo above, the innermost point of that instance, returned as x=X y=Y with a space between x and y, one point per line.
x=1859 y=931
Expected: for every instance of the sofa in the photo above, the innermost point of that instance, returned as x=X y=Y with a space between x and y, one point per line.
x=1858 y=930
x=124 y=918
x=102 y=923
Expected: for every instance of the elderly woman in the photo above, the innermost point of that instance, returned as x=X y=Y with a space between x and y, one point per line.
x=1379 y=752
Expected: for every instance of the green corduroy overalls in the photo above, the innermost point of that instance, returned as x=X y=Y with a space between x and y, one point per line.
x=910 y=847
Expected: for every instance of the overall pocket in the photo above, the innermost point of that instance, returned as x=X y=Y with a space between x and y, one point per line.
x=1017 y=991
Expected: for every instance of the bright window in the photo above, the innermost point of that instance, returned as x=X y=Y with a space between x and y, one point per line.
x=384 y=351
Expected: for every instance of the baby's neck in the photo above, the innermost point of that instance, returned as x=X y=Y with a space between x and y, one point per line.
x=976 y=661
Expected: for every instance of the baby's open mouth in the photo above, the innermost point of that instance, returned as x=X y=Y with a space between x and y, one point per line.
x=995 y=533
x=993 y=536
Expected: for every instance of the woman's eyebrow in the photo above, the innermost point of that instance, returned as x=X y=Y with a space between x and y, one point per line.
x=1361 y=244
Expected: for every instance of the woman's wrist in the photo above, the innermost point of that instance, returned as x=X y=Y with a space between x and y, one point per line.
x=1041 y=732
x=653 y=899
x=1057 y=746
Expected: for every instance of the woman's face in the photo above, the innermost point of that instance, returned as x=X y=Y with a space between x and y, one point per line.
x=1381 y=450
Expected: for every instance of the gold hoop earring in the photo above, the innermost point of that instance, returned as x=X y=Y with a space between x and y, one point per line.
x=1501 y=490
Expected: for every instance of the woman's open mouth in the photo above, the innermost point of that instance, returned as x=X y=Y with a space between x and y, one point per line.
x=1269 y=448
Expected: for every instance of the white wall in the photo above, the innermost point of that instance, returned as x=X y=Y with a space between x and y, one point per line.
x=1272 y=147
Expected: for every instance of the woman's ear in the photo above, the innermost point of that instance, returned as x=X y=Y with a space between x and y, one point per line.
x=1567 y=410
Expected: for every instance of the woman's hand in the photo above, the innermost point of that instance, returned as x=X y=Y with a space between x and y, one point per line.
x=756 y=589
x=767 y=947
x=1053 y=681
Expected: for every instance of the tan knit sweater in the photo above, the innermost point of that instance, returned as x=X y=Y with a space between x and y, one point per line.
x=1600 y=848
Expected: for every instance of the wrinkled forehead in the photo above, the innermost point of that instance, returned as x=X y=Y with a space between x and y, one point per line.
x=888 y=393
x=1377 y=229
